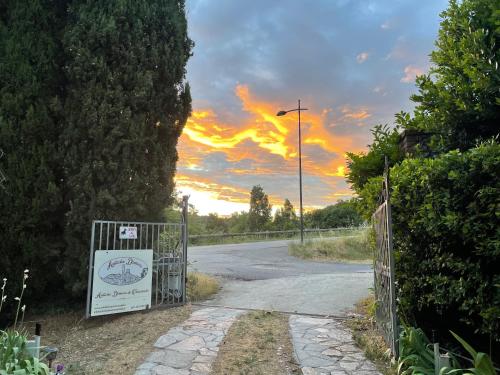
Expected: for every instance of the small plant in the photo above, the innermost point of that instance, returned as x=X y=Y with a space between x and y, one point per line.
x=415 y=353
x=482 y=362
x=416 y=356
x=20 y=298
x=14 y=357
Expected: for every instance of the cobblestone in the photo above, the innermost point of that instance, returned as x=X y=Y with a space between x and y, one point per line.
x=190 y=348
x=325 y=347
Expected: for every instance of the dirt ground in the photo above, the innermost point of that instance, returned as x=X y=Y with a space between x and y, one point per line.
x=112 y=345
x=257 y=344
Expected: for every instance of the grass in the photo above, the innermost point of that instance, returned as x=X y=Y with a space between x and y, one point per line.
x=258 y=343
x=112 y=345
x=201 y=286
x=368 y=338
x=234 y=238
x=354 y=249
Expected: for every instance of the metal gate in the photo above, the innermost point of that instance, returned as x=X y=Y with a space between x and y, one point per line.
x=385 y=293
x=169 y=244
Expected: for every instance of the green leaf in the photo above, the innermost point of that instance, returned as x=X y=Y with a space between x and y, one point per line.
x=484 y=364
x=466 y=346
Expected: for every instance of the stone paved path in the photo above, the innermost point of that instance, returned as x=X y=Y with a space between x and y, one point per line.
x=190 y=348
x=324 y=346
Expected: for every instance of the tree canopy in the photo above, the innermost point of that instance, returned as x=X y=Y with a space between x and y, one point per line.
x=364 y=166
x=341 y=214
x=458 y=100
x=285 y=217
x=125 y=109
x=92 y=102
x=32 y=202
x=260 y=209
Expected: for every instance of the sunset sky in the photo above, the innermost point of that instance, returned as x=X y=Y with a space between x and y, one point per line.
x=352 y=63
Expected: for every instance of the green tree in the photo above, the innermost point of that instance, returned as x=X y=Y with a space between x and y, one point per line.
x=216 y=224
x=341 y=214
x=363 y=166
x=238 y=222
x=459 y=99
x=31 y=204
x=127 y=103
x=260 y=209
x=285 y=217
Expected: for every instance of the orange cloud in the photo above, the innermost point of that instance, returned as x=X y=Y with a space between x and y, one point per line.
x=267 y=145
x=218 y=191
x=274 y=134
x=356 y=115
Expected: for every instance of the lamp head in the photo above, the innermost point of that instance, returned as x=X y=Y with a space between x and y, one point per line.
x=281 y=113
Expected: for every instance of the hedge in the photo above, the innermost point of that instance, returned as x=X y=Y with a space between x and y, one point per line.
x=446 y=224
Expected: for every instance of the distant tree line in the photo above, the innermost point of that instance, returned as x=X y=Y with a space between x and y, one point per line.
x=93 y=99
x=259 y=217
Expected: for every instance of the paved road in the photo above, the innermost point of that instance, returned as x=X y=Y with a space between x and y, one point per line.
x=262 y=275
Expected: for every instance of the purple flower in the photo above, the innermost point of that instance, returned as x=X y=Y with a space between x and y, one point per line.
x=59 y=368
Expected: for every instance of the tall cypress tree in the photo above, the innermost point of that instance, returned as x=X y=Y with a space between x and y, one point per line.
x=127 y=102
x=31 y=204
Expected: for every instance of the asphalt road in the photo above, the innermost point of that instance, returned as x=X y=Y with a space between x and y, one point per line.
x=261 y=275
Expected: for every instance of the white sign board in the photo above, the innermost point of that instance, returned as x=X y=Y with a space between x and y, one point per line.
x=128 y=233
x=122 y=281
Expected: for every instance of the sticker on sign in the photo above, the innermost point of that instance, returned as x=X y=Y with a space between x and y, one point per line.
x=128 y=233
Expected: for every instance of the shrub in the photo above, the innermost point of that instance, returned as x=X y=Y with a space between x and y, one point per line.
x=446 y=224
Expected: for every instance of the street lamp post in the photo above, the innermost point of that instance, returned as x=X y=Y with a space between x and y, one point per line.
x=282 y=113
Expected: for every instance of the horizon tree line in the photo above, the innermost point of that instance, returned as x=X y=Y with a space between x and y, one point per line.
x=259 y=217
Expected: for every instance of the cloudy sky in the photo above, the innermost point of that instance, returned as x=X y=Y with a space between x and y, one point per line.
x=351 y=62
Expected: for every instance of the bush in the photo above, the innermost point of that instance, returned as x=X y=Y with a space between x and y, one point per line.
x=446 y=223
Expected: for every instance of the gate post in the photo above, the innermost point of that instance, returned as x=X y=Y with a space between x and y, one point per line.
x=91 y=271
x=394 y=318
x=384 y=274
x=185 y=238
